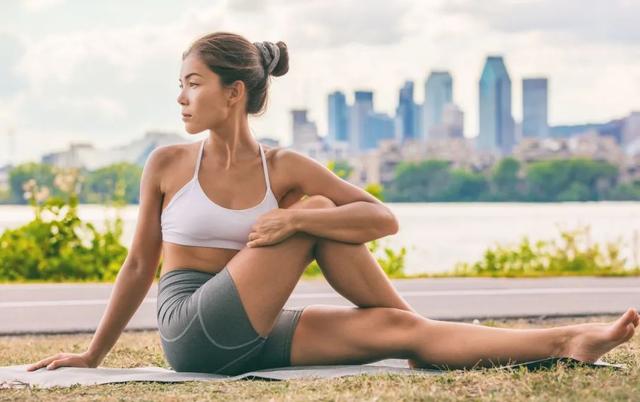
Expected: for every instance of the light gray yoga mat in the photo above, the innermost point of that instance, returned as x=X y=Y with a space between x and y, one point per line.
x=17 y=377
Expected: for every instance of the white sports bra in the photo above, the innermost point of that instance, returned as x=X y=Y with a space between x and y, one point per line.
x=192 y=219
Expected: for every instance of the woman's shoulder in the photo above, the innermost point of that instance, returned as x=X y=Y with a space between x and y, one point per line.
x=167 y=154
x=167 y=161
x=278 y=154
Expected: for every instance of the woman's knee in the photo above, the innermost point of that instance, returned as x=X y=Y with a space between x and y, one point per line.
x=397 y=318
x=314 y=201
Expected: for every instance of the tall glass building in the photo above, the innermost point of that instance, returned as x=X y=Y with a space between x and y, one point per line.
x=534 y=107
x=406 y=112
x=362 y=106
x=438 y=91
x=377 y=127
x=338 y=117
x=496 y=121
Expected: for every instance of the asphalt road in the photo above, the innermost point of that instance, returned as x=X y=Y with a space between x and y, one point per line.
x=68 y=308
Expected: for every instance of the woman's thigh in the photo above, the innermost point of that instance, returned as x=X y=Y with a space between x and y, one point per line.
x=265 y=276
x=353 y=335
x=203 y=325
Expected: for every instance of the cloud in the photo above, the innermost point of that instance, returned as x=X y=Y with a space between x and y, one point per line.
x=105 y=77
x=606 y=21
x=322 y=24
x=40 y=5
x=12 y=49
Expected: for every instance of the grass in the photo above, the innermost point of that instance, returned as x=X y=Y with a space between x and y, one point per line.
x=139 y=349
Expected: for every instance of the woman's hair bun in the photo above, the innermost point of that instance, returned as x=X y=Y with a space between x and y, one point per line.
x=283 y=63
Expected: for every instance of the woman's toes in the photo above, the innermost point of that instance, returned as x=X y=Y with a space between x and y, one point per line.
x=620 y=325
x=631 y=328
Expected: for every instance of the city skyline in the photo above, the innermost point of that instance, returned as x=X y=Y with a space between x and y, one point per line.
x=59 y=86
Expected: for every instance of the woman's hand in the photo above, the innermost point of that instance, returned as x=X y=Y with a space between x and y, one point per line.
x=271 y=228
x=64 y=360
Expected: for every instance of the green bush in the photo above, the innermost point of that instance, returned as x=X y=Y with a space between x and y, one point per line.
x=573 y=254
x=57 y=245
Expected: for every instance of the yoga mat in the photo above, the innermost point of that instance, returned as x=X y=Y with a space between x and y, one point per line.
x=17 y=377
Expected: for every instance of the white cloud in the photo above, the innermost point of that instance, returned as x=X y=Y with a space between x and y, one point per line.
x=108 y=83
x=607 y=21
x=40 y=5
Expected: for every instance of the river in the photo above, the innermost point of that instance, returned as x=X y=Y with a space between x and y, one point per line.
x=438 y=235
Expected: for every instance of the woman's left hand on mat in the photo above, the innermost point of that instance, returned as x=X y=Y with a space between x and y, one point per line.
x=63 y=360
x=271 y=228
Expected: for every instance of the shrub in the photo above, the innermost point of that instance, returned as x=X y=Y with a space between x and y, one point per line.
x=573 y=254
x=57 y=245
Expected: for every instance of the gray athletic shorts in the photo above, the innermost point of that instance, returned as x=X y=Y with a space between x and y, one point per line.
x=204 y=328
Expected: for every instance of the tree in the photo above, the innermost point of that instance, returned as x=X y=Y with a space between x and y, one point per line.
x=21 y=174
x=506 y=184
x=424 y=181
x=575 y=179
x=341 y=168
x=466 y=186
x=119 y=182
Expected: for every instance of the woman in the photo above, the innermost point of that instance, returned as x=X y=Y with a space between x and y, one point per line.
x=220 y=304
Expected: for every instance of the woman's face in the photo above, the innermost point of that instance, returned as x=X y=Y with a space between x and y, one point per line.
x=202 y=97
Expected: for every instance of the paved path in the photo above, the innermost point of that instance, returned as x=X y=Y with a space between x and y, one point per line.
x=66 y=308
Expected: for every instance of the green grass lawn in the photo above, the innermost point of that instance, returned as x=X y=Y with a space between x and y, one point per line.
x=139 y=349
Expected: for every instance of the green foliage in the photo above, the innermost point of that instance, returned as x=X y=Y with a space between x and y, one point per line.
x=424 y=181
x=576 y=179
x=434 y=180
x=376 y=190
x=573 y=254
x=506 y=181
x=466 y=186
x=625 y=191
x=341 y=168
x=119 y=183
x=57 y=245
x=570 y=180
x=19 y=175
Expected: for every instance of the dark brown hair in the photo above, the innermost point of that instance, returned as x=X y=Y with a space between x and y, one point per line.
x=234 y=58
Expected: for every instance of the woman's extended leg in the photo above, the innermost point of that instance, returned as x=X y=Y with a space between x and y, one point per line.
x=347 y=335
x=266 y=276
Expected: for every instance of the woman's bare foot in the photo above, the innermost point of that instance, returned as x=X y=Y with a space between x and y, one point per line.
x=590 y=341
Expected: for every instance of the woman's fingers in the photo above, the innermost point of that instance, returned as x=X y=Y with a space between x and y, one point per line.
x=43 y=362
x=57 y=363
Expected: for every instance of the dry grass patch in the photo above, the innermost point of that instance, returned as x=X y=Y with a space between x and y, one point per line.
x=139 y=349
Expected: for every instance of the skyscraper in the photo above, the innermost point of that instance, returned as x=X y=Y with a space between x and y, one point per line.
x=362 y=106
x=453 y=121
x=338 y=117
x=496 y=120
x=534 y=107
x=438 y=91
x=406 y=111
x=304 y=131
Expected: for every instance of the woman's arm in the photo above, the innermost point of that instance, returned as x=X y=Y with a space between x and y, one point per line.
x=357 y=222
x=358 y=216
x=135 y=276
x=137 y=273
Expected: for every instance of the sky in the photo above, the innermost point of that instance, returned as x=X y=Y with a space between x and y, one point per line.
x=107 y=72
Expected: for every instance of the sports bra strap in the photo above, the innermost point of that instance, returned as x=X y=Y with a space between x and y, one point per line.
x=195 y=174
x=264 y=167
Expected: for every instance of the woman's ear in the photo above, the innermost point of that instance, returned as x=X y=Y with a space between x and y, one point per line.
x=236 y=92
